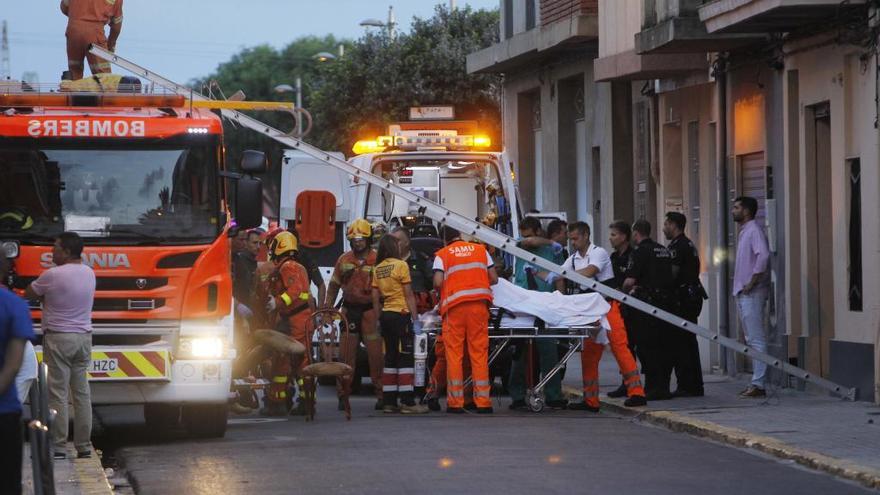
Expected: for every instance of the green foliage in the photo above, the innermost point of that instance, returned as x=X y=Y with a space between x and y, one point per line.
x=372 y=85
x=380 y=78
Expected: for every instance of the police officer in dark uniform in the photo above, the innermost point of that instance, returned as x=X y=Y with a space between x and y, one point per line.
x=689 y=298
x=649 y=278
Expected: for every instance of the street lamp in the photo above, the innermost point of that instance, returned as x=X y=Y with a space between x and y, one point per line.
x=324 y=56
x=390 y=24
x=287 y=88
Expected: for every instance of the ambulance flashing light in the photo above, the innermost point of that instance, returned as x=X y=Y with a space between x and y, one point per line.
x=425 y=141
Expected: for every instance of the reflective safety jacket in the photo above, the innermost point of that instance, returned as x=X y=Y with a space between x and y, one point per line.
x=290 y=287
x=354 y=276
x=465 y=279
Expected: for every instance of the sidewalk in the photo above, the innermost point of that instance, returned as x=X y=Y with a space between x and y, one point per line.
x=817 y=431
x=72 y=476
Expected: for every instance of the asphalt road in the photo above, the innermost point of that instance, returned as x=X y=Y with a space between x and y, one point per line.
x=553 y=452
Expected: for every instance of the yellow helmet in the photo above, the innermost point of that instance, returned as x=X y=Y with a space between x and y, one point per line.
x=283 y=243
x=359 y=229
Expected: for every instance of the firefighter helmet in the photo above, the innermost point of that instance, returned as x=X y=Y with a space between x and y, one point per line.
x=359 y=229
x=283 y=243
x=270 y=236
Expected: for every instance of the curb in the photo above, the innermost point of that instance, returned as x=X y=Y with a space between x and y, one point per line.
x=673 y=421
x=90 y=478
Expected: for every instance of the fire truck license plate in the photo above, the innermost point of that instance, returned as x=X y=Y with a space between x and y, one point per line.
x=104 y=365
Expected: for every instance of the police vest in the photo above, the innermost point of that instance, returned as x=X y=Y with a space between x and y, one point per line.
x=465 y=276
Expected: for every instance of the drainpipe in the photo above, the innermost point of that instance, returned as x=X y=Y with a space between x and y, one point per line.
x=875 y=24
x=728 y=360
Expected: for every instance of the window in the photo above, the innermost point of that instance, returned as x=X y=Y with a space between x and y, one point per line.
x=507 y=18
x=855 y=234
x=530 y=14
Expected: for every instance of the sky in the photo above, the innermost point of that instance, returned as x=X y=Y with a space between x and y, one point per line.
x=185 y=39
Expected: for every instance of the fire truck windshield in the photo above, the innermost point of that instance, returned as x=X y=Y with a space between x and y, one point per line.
x=110 y=195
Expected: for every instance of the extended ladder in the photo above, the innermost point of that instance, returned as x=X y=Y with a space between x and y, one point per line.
x=486 y=234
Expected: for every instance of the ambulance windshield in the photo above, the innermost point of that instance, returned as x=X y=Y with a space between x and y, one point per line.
x=120 y=195
x=468 y=186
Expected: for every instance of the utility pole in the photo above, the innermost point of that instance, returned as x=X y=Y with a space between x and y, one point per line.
x=391 y=23
x=5 y=67
x=299 y=104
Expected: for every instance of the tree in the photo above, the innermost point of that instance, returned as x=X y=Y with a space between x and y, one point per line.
x=373 y=85
x=380 y=78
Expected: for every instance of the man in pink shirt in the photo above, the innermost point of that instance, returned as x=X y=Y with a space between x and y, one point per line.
x=67 y=291
x=751 y=286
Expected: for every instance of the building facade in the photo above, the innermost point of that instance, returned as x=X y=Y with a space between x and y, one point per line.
x=632 y=108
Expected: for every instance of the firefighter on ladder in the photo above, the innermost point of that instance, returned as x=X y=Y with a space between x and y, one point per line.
x=464 y=272
x=353 y=275
x=85 y=26
x=290 y=298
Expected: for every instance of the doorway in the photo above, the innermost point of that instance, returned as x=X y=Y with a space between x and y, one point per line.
x=820 y=249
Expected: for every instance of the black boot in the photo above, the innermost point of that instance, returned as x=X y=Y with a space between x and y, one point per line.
x=618 y=392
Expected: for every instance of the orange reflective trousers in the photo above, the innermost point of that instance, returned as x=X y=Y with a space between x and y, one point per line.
x=298 y=325
x=438 y=372
x=592 y=354
x=467 y=324
x=81 y=34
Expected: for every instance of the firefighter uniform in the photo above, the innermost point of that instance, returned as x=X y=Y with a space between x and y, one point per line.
x=650 y=265
x=617 y=337
x=353 y=274
x=464 y=304
x=289 y=286
x=85 y=25
x=689 y=295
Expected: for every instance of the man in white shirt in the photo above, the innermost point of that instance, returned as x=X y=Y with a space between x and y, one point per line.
x=594 y=262
x=67 y=291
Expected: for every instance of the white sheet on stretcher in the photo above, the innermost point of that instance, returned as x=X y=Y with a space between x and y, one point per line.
x=556 y=309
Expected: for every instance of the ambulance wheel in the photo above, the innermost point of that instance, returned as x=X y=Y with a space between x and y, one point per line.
x=205 y=420
x=535 y=401
x=161 y=417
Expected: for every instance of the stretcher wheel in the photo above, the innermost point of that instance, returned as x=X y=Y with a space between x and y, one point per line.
x=535 y=401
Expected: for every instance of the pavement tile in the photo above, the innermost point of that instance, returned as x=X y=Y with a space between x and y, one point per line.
x=72 y=476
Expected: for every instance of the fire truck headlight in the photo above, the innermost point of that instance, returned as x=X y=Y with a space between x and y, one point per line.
x=9 y=249
x=201 y=348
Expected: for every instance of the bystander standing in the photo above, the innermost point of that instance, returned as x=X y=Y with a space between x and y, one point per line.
x=15 y=330
x=67 y=291
x=751 y=286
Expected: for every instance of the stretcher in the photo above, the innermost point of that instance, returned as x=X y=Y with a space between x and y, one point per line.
x=530 y=315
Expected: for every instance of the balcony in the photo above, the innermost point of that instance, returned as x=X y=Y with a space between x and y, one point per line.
x=674 y=26
x=619 y=22
x=767 y=16
x=564 y=25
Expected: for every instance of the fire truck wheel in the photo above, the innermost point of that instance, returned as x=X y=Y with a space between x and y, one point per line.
x=161 y=417
x=205 y=420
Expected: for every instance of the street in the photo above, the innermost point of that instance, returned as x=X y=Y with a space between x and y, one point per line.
x=554 y=452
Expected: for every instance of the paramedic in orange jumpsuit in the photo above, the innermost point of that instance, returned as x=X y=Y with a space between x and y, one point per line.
x=291 y=298
x=464 y=272
x=353 y=274
x=85 y=25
